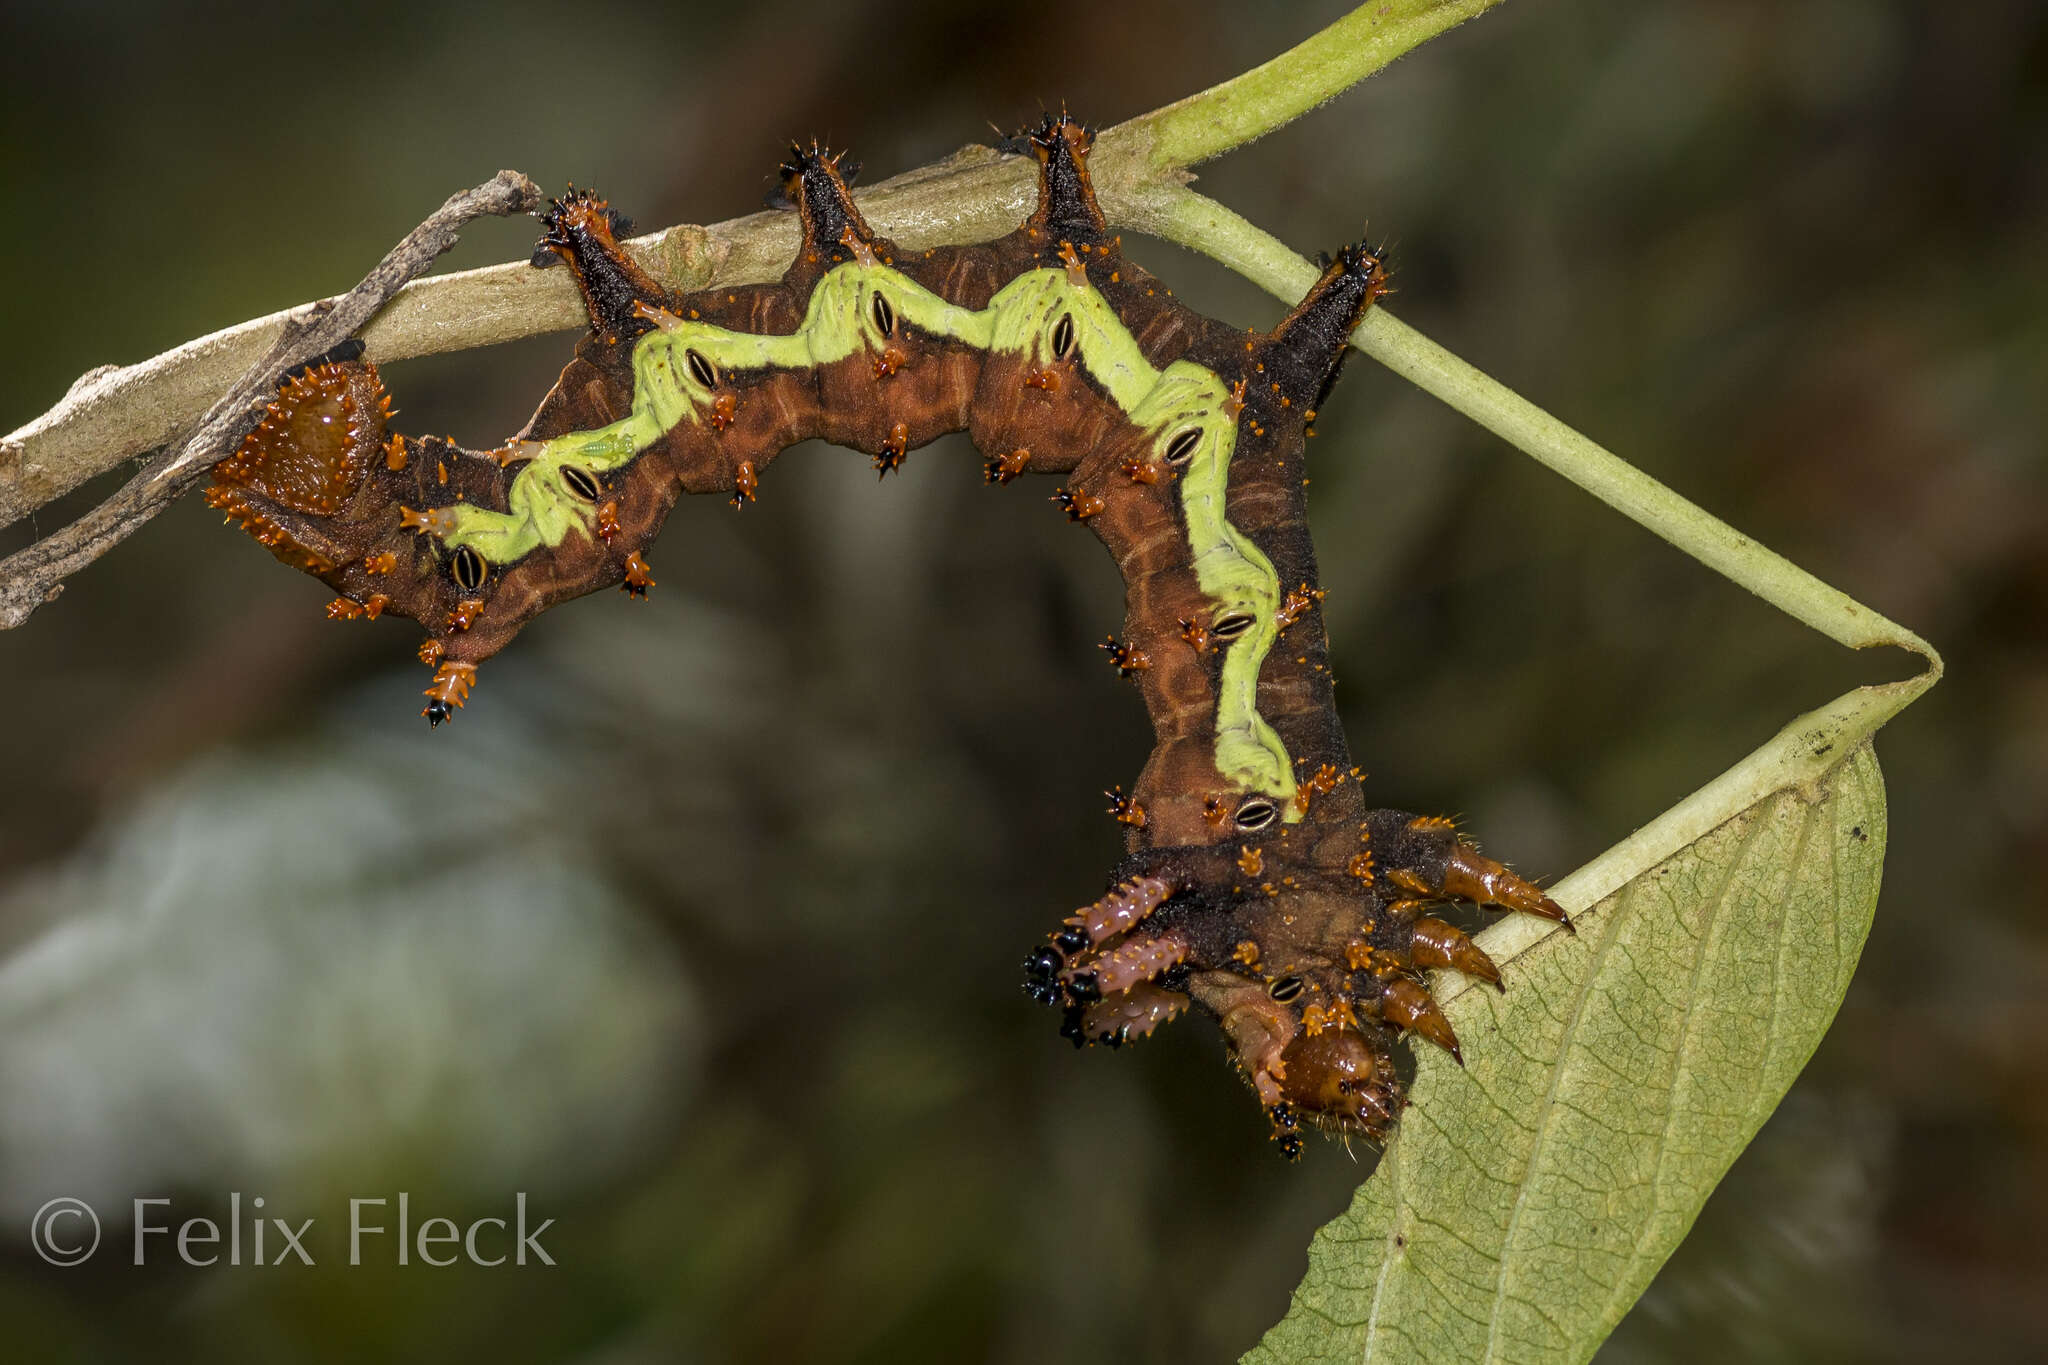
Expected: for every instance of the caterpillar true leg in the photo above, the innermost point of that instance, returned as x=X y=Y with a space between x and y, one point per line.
x=1132 y=1013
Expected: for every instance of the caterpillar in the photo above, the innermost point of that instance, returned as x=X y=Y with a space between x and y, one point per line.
x=1256 y=884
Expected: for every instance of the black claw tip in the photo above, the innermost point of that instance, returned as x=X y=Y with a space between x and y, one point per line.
x=1070 y=1026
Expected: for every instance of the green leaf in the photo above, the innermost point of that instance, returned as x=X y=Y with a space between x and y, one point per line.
x=1526 y=1201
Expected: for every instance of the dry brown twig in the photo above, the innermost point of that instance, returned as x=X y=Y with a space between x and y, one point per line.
x=35 y=575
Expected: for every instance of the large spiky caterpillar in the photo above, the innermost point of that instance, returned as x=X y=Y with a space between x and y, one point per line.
x=1257 y=884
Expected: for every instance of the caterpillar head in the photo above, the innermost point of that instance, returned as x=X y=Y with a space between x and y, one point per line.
x=1311 y=953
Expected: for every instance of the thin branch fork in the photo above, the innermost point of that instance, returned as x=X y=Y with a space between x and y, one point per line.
x=35 y=575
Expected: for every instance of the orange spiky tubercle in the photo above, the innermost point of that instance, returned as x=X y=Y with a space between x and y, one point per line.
x=448 y=691
x=582 y=228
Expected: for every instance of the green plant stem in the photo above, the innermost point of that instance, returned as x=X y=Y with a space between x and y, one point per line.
x=1201 y=224
x=1270 y=96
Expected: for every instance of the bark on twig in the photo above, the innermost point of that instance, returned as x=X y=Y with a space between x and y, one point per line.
x=36 y=575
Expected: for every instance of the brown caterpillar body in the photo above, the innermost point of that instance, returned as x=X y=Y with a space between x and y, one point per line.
x=1257 y=883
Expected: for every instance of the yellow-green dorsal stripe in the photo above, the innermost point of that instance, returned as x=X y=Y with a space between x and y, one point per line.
x=840 y=322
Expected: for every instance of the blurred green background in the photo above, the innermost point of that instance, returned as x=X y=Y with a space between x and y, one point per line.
x=701 y=926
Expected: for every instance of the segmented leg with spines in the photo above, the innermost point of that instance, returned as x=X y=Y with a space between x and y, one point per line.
x=1423 y=855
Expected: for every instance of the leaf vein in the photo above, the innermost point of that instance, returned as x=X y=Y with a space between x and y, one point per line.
x=1615 y=917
